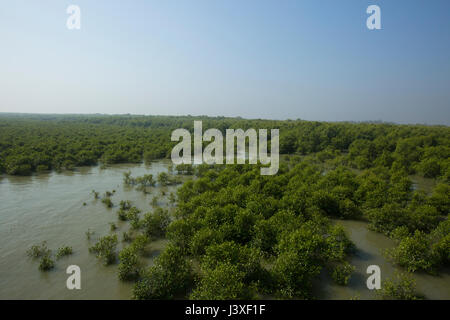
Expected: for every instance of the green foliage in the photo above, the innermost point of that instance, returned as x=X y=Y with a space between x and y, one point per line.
x=392 y=215
x=224 y=282
x=246 y=259
x=105 y=249
x=112 y=226
x=413 y=253
x=37 y=251
x=423 y=252
x=387 y=218
x=440 y=199
x=46 y=263
x=402 y=287
x=172 y=198
x=125 y=205
x=32 y=142
x=107 y=202
x=126 y=236
x=302 y=255
x=440 y=243
x=155 y=223
x=163 y=179
x=170 y=275
x=128 y=268
x=341 y=273
x=41 y=251
x=154 y=202
x=63 y=251
x=129 y=214
x=201 y=240
x=140 y=182
x=139 y=244
x=242 y=219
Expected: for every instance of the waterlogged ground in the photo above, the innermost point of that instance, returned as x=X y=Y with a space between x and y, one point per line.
x=50 y=207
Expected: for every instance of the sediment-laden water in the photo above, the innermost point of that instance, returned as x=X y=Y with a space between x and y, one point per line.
x=49 y=207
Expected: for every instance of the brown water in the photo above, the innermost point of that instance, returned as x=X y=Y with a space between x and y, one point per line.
x=370 y=246
x=50 y=207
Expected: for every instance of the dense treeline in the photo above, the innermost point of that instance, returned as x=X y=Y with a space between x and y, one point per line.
x=30 y=143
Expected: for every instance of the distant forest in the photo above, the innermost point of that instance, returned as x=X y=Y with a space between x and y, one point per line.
x=33 y=143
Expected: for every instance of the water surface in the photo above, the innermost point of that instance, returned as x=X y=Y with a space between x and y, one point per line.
x=49 y=207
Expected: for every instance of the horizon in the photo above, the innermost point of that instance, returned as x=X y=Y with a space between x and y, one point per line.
x=254 y=60
x=219 y=116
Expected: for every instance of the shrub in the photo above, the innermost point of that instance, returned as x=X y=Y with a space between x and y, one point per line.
x=129 y=214
x=202 y=239
x=96 y=194
x=105 y=249
x=152 y=285
x=107 y=202
x=341 y=273
x=163 y=179
x=246 y=259
x=403 y=287
x=155 y=224
x=126 y=236
x=154 y=202
x=38 y=251
x=46 y=263
x=112 y=226
x=128 y=264
x=170 y=275
x=125 y=205
x=63 y=251
x=139 y=244
x=122 y=215
x=224 y=282
x=440 y=199
x=414 y=253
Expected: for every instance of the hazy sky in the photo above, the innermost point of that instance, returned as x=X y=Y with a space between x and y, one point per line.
x=308 y=59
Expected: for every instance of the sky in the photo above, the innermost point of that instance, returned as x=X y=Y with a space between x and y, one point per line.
x=287 y=59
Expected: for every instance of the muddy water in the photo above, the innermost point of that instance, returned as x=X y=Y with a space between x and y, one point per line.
x=50 y=207
x=370 y=246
